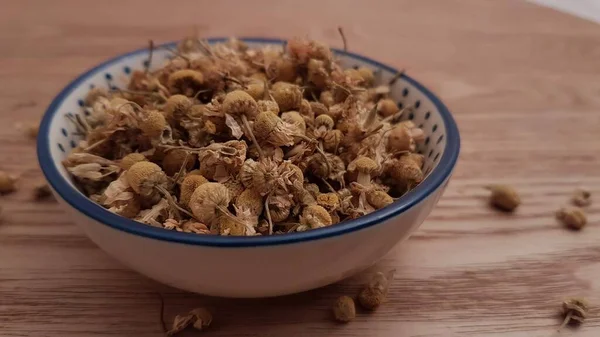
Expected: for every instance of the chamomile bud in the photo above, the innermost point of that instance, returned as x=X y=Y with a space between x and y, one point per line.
x=189 y=184
x=288 y=96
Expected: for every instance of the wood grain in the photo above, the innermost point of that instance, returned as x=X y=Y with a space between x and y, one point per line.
x=521 y=80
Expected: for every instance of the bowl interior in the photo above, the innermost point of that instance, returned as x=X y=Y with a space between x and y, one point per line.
x=58 y=135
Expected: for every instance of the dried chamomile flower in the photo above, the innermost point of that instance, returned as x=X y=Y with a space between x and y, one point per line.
x=332 y=140
x=220 y=161
x=326 y=98
x=188 y=186
x=313 y=189
x=404 y=172
x=504 y=197
x=269 y=128
x=131 y=159
x=260 y=176
x=30 y=129
x=177 y=160
x=318 y=108
x=209 y=202
x=328 y=167
x=145 y=177
x=330 y=201
x=8 y=183
x=250 y=200
x=375 y=292
x=187 y=82
x=153 y=124
x=268 y=106
x=574 y=310
x=288 y=96
x=317 y=74
x=362 y=168
x=240 y=103
x=398 y=140
x=194 y=227
x=387 y=107
x=344 y=309
x=296 y=120
x=177 y=106
x=42 y=191
x=231 y=226
x=572 y=217
x=199 y=318
x=379 y=199
x=314 y=216
x=367 y=75
x=255 y=88
x=581 y=198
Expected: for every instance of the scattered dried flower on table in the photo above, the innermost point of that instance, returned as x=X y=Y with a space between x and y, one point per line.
x=199 y=318
x=344 y=309
x=228 y=140
x=572 y=217
x=581 y=198
x=8 y=183
x=504 y=197
x=42 y=192
x=375 y=292
x=574 y=310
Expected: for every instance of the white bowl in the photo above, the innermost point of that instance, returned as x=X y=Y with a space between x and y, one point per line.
x=250 y=266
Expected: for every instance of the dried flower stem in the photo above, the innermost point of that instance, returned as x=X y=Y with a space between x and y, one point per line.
x=268 y=212
x=394 y=79
x=261 y=154
x=150 y=52
x=341 y=31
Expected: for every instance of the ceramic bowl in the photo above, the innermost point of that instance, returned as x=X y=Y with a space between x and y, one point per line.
x=249 y=266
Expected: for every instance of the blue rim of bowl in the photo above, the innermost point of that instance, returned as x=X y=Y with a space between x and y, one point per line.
x=77 y=200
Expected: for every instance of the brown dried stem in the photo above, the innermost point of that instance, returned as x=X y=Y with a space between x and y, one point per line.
x=150 y=52
x=341 y=31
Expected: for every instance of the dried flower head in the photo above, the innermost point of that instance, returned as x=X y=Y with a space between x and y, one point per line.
x=387 y=107
x=367 y=75
x=399 y=139
x=344 y=309
x=131 y=159
x=268 y=106
x=582 y=198
x=177 y=106
x=314 y=216
x=199 y=318
x=375 y=292
x=572 y=217
x=379 y=199
x=288 y=96
x=209 y=202
x=144 y=177
x=8 y=183
x=187 y=82
x=240 y=103
x=574 y=310
x=504 y=197
x=188 y=186
x=329 y=201
x=250 y=200
x=42 y=191
x=362 y=169
x=153 y=124
x=177 y=160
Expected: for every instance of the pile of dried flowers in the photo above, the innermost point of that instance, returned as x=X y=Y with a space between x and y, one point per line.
x=228 y=140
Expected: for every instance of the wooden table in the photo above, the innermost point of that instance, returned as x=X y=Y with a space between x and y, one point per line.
x=521 y=80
